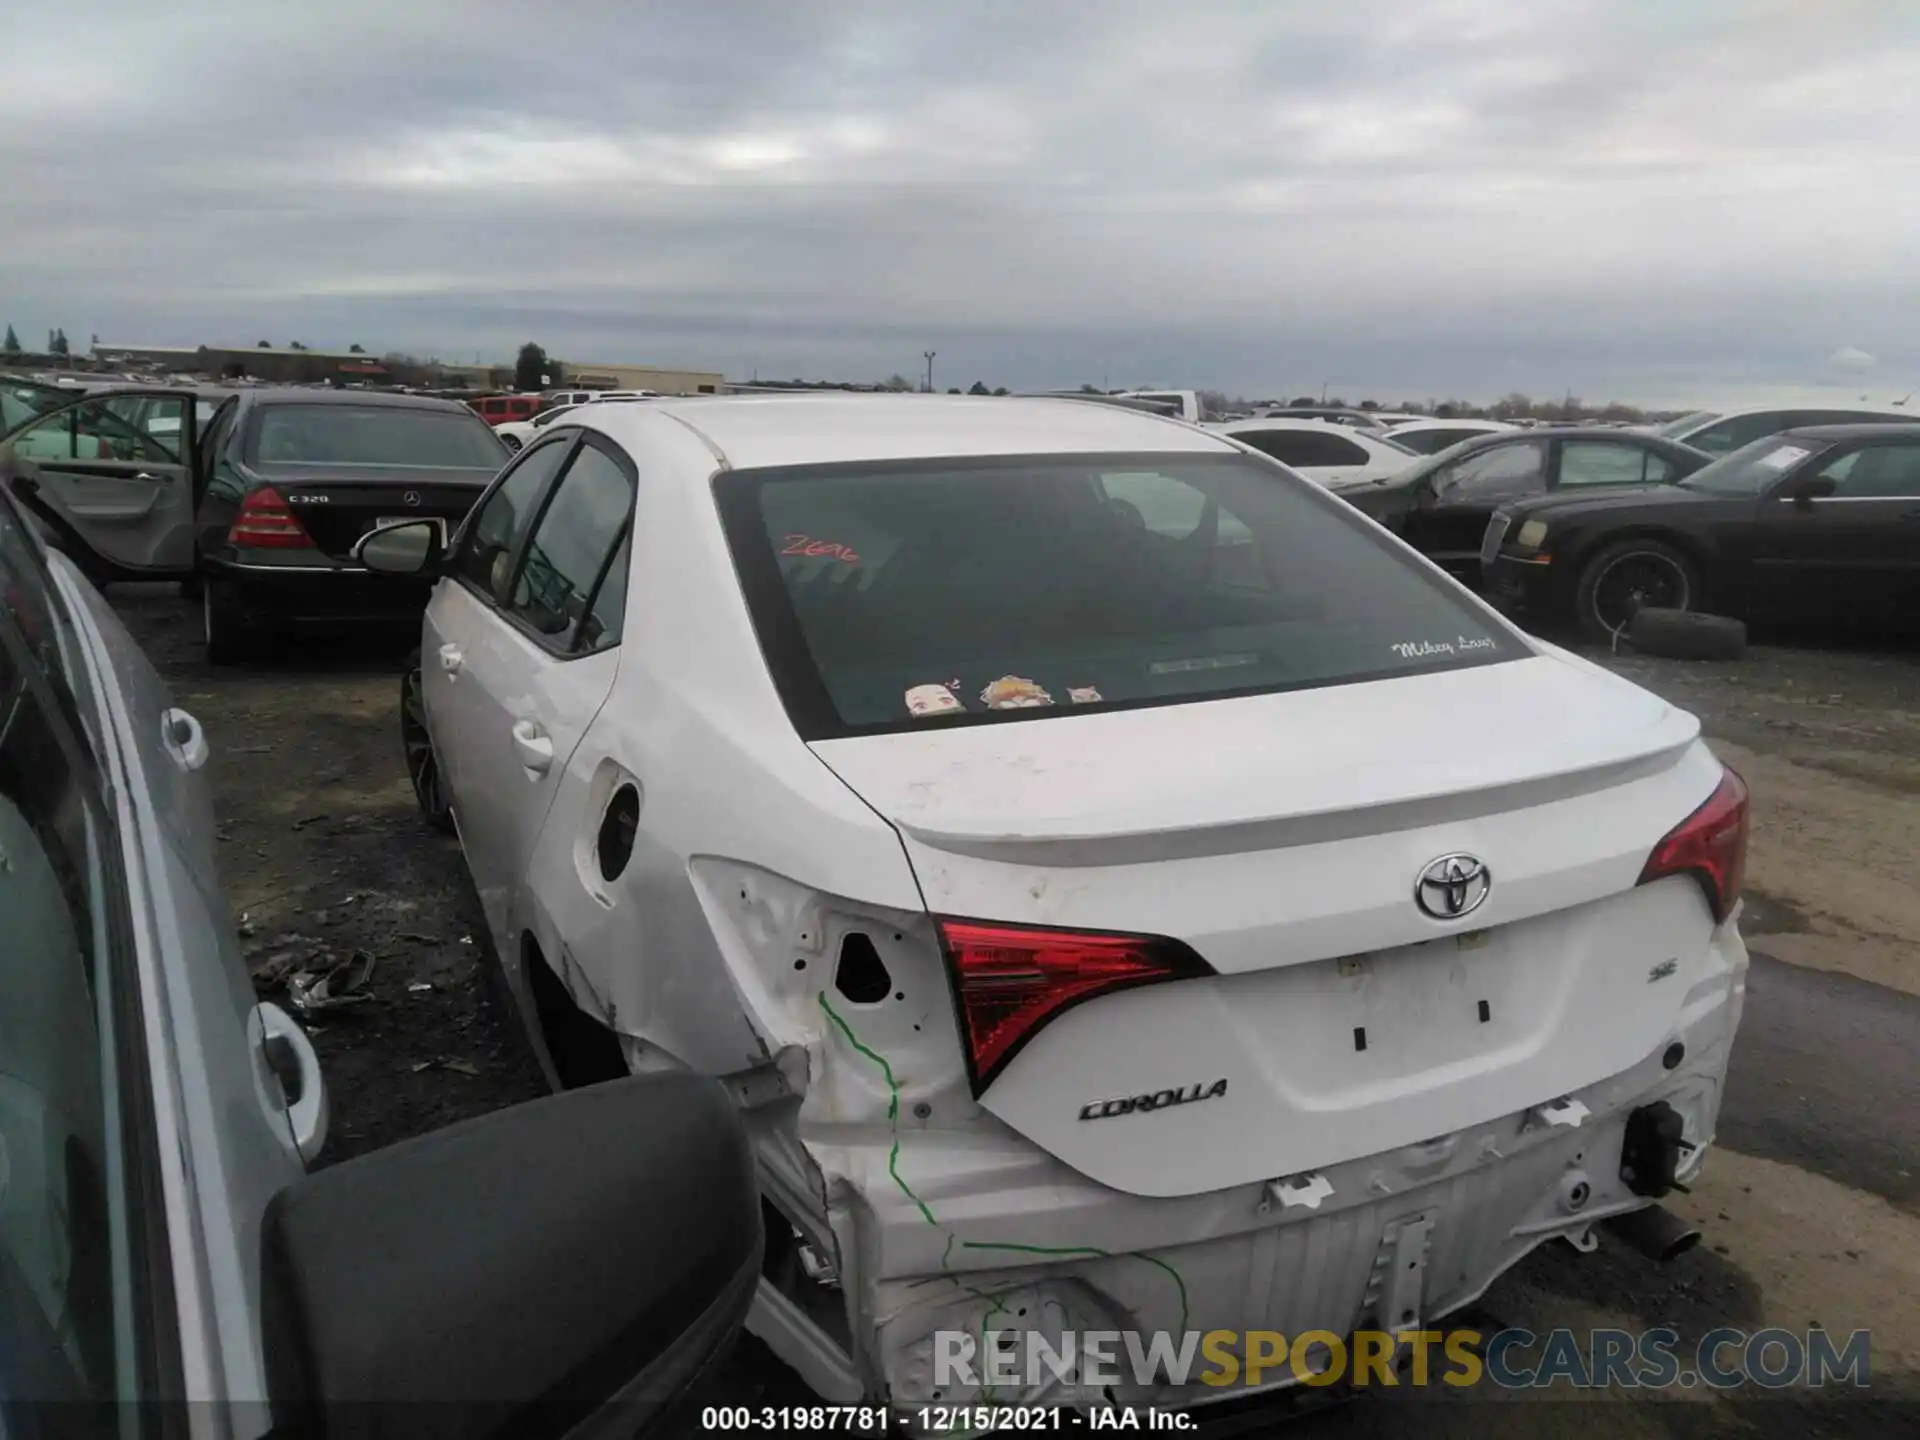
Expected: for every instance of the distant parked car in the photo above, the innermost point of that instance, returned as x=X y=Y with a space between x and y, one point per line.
x=24 y=400
x=1430 y=437
x=1720 y=432
x=1812 y=524
x=165 y=1254
x=514 y=434
x=1441 y=505
x=1187 y=403
x=295 y=478
x=266 y=499
x=1332 y=414
x=1325 y=453
x=498 y=409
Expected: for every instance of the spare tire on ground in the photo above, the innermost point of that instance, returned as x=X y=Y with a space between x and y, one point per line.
x=1686 y=635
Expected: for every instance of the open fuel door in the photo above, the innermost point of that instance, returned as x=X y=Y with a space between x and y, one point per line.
x=113 y=473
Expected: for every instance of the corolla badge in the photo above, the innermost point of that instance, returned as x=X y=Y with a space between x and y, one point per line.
x=1159 y=1100
x=1453 y=886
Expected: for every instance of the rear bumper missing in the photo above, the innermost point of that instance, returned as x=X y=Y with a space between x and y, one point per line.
x=1001 y=1239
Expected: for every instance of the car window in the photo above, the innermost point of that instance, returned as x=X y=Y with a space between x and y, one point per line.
x=374 y=435
x=89 y=432
x=491 y=539
x=1500 y=472
x=67 y=1198
x=944 y=587
x=1730 y=435
x=1303 y=447
x=1877 y=472
x=578 y=529
x=607 y=616
x=1601 y=462
x=1432 y=442
x=161 y=418
x=1756 y=467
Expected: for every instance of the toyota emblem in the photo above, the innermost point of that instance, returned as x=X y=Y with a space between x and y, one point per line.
x=1452 y=886
x=412 y=497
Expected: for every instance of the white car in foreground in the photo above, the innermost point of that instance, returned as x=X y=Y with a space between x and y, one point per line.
x=1326 y=453
x=1124 y=888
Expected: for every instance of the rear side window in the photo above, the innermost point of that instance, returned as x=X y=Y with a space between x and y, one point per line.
x=950 y=592
x=1500 y=472
x=485 y=556
x=1303 y=447
x=372 y=435
x=1599 y=462
x=576 y=534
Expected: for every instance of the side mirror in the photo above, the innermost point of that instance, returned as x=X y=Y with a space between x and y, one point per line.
x=1814 y=487
x=409 y=548
x=575 y=1261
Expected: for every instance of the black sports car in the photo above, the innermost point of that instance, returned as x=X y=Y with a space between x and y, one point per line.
x=1821 y=523
x=1441 y=505
x=260 y=500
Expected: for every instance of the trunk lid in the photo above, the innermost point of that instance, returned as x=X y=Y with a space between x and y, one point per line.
x=1281 y=837
x=339 y=504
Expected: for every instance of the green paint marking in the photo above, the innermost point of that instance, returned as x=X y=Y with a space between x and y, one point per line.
x=926 y=1211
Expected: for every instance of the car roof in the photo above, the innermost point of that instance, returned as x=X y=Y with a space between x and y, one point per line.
x=1858 y=430
x=1843 y=406
x=756 y=431
x=291 y=395
x=1296 y=422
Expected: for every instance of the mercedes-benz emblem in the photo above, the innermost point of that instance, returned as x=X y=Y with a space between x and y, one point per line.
x=1452 y=886
x=412 y=497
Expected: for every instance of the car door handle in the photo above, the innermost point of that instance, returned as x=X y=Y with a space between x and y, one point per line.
x=290 y=1056
x=451 y=659
x=536 y=750
x=184 y=738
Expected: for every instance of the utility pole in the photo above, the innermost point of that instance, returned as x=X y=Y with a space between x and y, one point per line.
x=1323 y=390
x=929 y=354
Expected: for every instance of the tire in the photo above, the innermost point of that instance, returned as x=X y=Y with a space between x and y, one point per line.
x=1629 y=576
x=233 y=631
x=423 y=764
x=1683 y=635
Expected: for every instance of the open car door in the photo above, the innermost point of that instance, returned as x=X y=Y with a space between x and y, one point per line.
x=111 y=475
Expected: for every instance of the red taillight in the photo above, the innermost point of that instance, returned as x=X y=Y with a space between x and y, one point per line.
x=1710 y=845
x=267 y=522
x=1010 y=980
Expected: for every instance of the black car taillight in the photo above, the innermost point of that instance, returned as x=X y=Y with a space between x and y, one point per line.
x=267 y=522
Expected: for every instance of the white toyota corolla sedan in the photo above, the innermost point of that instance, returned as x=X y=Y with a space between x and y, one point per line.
x=1124 y=888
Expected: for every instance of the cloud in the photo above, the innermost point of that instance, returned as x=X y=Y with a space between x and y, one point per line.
x=1671 y=204
x=1852 y=360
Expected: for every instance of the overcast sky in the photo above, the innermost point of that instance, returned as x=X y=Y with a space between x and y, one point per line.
x=1678 y=201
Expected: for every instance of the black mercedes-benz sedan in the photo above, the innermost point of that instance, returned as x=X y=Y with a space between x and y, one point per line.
x=1817 y=524
x=295 y=479
x=1441 y=505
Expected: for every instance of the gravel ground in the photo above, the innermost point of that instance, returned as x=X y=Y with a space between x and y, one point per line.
x=1811 y=1205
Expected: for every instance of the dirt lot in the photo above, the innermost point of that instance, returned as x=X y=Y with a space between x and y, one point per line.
x=1811 y=1204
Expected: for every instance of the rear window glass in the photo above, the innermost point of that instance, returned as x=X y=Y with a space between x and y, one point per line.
x=373 y=435
x=948 y=592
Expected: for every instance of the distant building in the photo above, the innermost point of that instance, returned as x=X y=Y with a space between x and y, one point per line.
x=287 y=366
x=598 y=375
